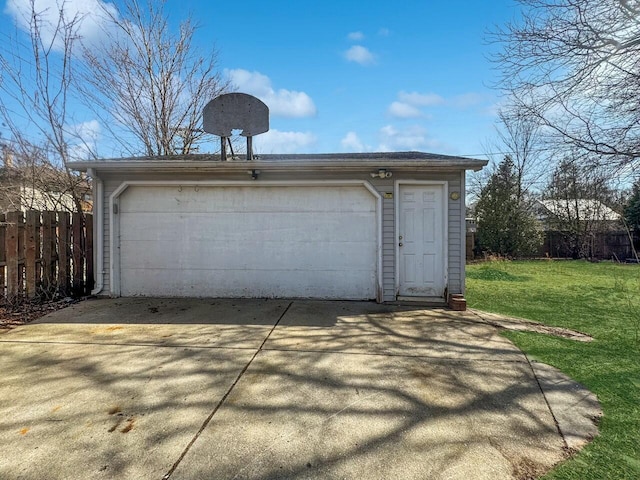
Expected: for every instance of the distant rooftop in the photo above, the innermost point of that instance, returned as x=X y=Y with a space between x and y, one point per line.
x=583 y=209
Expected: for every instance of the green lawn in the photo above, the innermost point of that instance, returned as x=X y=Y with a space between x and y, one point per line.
x=601 y=299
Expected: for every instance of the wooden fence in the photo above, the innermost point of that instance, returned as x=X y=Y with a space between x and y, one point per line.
x=613 y=245
x=45 y=253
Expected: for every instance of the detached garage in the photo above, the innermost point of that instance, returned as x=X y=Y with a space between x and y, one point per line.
x=353 y=226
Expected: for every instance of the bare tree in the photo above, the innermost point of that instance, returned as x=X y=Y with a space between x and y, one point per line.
x=149 y=85
x=576 y=199
x=573 y=66
x=36 y=85
x=518 y=137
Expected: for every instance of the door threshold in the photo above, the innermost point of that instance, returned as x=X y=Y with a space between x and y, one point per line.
x=431 y=301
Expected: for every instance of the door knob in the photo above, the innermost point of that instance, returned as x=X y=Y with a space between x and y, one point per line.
x=400 y=244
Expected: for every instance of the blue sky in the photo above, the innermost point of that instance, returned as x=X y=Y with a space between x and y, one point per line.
x=356 y=76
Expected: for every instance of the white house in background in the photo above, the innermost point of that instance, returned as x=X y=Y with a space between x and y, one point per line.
x=578 y=209
x=41 y=188
x=379 y=226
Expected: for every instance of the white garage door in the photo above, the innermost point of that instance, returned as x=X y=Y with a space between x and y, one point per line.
x=248 y=241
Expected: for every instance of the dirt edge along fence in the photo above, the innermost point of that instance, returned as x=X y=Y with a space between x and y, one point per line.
x=45 y=254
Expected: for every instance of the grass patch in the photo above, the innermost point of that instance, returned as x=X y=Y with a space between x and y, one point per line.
x=489 y=273
x=602 y=300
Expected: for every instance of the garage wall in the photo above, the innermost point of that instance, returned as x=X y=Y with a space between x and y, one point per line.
x=457 y=236
x=109 y=186
x=456 y=214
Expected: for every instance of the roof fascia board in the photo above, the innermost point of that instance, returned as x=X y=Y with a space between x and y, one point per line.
x=277 y=166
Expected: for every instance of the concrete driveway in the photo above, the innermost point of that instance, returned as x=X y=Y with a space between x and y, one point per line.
x=269 y=389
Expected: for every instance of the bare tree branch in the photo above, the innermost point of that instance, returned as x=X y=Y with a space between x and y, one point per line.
x=150 y=83
x=39 y=87
x=574 y=66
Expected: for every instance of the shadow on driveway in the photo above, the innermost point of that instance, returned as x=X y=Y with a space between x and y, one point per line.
x=266 y=389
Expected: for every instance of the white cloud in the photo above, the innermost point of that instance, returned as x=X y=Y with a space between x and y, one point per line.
x=403 y=110
x=351 y=142
x=275 y=141
x=282 y=102
x=384 y=32
x=493 y=109
x=467 y=100
x=356 y=36
x=92 y=16
x=359 y=54
x=86 y=130
x=409 y=104
x=412 y=138
x=421 y=99
x=86 y=136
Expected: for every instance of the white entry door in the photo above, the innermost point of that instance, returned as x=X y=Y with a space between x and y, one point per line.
x=422 y=249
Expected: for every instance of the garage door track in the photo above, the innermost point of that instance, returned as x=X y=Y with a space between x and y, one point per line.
x=270 y=389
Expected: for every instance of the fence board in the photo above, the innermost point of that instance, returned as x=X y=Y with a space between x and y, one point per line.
x=13 y=256
x=48 y=250
x=45 y=252
x=78 y=257
x=64 y=250
x=32 y=251
x=38 y=252
x=21 y=244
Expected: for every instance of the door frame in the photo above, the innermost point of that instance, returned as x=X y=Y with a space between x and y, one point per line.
x=114 y=218
x=445 y=205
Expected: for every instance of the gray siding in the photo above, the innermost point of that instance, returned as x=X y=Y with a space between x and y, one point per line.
x=455 y=217
x=388 y=249
x=456 y=246
x=109 y=185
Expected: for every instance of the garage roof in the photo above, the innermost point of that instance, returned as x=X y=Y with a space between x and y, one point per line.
x=415 y=161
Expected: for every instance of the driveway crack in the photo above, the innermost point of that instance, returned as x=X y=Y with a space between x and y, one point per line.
x=224 y=397
x=546 y=400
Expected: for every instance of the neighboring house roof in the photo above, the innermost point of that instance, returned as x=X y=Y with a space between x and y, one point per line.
x=583 y=209
x=418 y=161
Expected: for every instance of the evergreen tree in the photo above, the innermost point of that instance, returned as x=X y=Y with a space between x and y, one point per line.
x=632 y=215
x=506 y=225
x=632 y=209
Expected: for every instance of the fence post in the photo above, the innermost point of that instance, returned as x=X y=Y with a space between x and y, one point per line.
x=13 y=255
x=77 y=228
x=32 y=251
